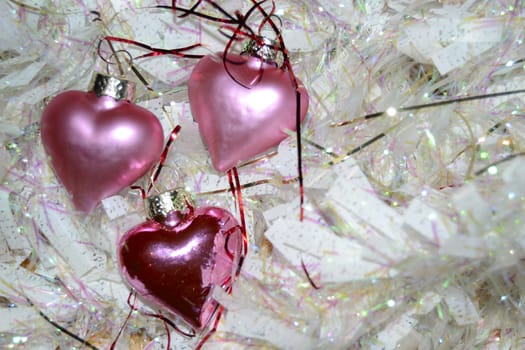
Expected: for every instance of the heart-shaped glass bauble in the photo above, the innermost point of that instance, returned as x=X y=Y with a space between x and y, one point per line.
x=175 y=265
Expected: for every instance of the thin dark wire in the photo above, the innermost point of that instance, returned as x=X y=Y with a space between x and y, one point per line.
x=433 y=104
x=320 y=148
x=411 y=108
x=64 y=330
x=358 y=148
x=299 y=153
x=503 y=160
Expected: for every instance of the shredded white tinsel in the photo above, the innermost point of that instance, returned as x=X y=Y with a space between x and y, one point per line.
x=414 y=240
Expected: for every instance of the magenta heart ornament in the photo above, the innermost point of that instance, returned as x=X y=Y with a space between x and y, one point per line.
x=244 y=111
x=174 y=265
x=98 y=145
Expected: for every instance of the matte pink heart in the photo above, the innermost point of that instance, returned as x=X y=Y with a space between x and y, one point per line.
x=98 y=145
x=175 y=265
x=238 y=122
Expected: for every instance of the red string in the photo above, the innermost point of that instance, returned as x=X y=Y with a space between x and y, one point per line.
x=164 y=155
x=312 y=283
x=236 y=190
x=170 y=323
x=155 y=51
x=143 y=194
x=219 y=311
x=266 y=18
x=227 y=240
x=234 y=30
x=162 y=159
x=241 y=210
x=167 y=322
x=168 y=335
x=226 y=285
x=132 y=308
x=174 y=6
x=232 y=186
x=192 y=11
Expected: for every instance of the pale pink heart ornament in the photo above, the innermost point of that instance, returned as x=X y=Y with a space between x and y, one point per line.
x=245 y=113
x=98 y=145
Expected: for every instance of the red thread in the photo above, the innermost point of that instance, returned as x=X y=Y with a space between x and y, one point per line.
x=142 y=192
x=132 y=308
x=219 y=311
x=155 y=51
x=227 y=240
x=232 y=186
x=241 y=210
x=236 y=190
x=158 y=316
x=162 y=160
x=191 y=11
x=312 y=283
x=226 y=285
x=168 y=335
x=266 y=18
x=163 y=156
x=170 y=323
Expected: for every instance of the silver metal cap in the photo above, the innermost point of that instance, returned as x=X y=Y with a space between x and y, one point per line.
x=161 y=205
x=266 y=49
x=107 y=85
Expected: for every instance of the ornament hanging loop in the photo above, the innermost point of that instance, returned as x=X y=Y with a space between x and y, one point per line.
x=113 y=59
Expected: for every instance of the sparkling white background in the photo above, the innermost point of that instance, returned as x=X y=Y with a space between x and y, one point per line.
x=416 y=241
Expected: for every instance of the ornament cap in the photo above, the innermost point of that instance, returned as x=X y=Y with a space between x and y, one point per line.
x=264 y=48
x=158 y=207
x=107 y=85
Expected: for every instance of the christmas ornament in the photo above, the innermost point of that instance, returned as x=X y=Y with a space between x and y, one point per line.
x=98 y=141
x=243 y=105
x=176 y=258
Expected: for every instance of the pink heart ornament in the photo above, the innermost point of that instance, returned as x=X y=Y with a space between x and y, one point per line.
x=98 y=145
x=243 y=117
x=175 y=264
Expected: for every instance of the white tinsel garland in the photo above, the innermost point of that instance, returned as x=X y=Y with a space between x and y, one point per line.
x=413 y=241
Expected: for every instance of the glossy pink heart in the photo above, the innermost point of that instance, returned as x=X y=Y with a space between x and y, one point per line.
x=238 y=122
x=98 y=145
x=175 y=265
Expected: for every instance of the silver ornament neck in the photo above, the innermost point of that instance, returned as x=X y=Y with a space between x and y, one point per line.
x=107 y=85
x=266 y=49
x=161 y=205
